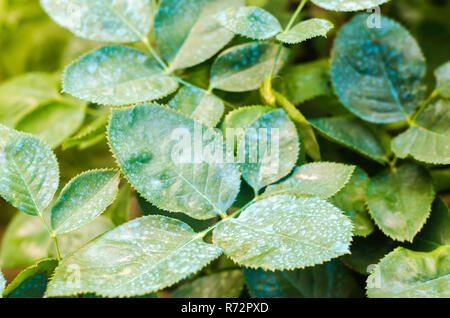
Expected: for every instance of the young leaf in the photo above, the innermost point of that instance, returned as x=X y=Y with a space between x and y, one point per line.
x=352 y=200
x=89 y=134
x=377 y=73
x=26 y=240
x=407 y=274
x=23 y=93
x=29 y=173
x=352 y=133
x=83 y=199
x=186 y=32
x=329 y=280
x=117 y=75
x=399 y=201
x=53 y=122
x=443 y=80
x=252 y=22
x=321 y=179
x=429 y=140
x=226 y=284
x=147 y=254
x=348 y=5
x=269 y=148
x=105 y=20
x=158 y=151
x=198 y=104
x=285 y=232
x=32 y=281
x=244 y=67
x=306 y=30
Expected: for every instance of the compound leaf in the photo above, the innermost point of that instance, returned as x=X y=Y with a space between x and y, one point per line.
x=103 y=20
x=244 y=67
x=285 y=232
x=399 y=201
x=186 y=32
x=377 y=73
x=443 y=80
x=306 y=30
x=154 y=148
x=348 y=5
x=407 y=274
x=29 y=173
x=117 y=75
x=141 y=256
x=83 y=199
x=252 y=22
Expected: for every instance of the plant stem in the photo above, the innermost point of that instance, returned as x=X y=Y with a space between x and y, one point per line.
x=52 y=235
x=432 y=96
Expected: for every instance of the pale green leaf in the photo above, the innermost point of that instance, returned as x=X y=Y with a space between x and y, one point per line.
x=407 y=274
x=352 y=200
x=103 y=20
x=19 y=95
x=89 y=134
x=377 y=73
x=117 y=75
x=321 y=179
x=352 y=133
x=32 y=281
x=244 y=67
x=399 y=201
x=53 y=122
x=26 y=240
x=252 y=22
x=29 y=173
x=329 y=280
x=198 y=104
x=83 y=199
x=285 y=232
x=443 y=80
x=269 y=149
x=186 y=32
x=119 y=211
x=158 y=151
x=225 y=284
x=141 y=256
x=429 y=139
x=306 y=30
x=348 y=5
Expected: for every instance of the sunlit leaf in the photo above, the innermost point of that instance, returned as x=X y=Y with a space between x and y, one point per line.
x=348 y=5
x=306 y=30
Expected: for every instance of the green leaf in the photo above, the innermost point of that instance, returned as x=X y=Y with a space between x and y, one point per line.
x=103 y=20
x=429 y=140
x=117 y=75
x=377 y=73
x=226 y=284
x=321 y=179
x=436 y=231
x=29 y=173
x=352 y=133
x=269 y=149
x=302 y=82
x=26 y=240
x=32 y=281
x=399 y=201
x=348 y=5
x=306 y=30
x=186 y=32
x=352 y=200
x=154 y=148
x=252 y=22
x=407 y=274
x=198 y=104
x=141 y=256
x=2 y=283
x=83 y=199
x=19 y=95
x=244 y=67
x=285 y=232
x=443 y=80
x=89 y=134
x=118 y=212
x=329 y=280
x=53 y=122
